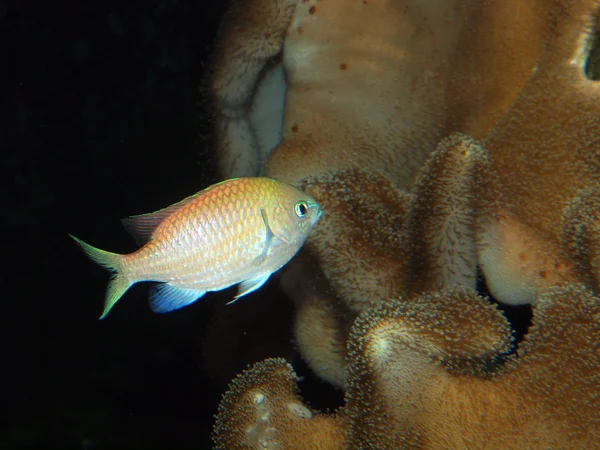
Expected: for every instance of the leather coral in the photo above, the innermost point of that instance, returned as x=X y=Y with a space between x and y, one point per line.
x=361 y=122
x=435 y=372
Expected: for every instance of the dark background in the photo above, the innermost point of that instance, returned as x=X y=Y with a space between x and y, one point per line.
x=103 y=114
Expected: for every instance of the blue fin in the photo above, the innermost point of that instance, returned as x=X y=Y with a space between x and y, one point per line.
x=250 y=285
x=165 y=298
x=142 y=227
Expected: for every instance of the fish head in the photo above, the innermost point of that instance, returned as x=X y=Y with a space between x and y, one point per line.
x=307 y=211
x=294 y=215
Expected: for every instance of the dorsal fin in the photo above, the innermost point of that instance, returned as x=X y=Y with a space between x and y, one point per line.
x=142 y=227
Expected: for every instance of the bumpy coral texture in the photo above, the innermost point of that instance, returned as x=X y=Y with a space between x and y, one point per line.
x=440 y=138
x=435 y=372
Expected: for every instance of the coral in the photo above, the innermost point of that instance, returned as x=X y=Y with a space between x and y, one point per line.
x=500 y=48
x=247 y=43
x=581 y=235
x=361 y=263
x=440 y=359
x=263 y=410
x=322 y=323
x=440 y=220
x=551 y=130
x=335 y=67
x=462 y=135
x=436 y=372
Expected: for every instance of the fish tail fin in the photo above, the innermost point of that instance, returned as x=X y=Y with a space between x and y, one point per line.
x=119 y=283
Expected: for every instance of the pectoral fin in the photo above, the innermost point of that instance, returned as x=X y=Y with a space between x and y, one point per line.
x=142 y=227
x=269 y=238
x=250 y=285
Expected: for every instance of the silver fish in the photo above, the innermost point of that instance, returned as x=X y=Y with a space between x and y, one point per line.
x=239 y=231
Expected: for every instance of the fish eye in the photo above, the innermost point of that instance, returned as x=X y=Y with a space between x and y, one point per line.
x=301 y=209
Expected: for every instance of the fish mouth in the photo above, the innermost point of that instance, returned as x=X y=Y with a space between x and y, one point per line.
x=318 y=214
x=313 y=204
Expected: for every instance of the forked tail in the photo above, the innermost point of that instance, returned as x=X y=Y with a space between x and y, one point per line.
x=119 y=283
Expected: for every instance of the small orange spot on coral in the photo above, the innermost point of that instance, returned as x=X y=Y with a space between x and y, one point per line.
x=343 y=66
x=300 y=29
x=295 y=128
x=522 y=256
x=543 y=274
x=312 y=10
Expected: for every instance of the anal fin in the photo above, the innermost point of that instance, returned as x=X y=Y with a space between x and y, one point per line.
x=165 y=298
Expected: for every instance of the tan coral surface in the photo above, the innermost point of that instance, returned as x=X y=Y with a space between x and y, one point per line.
x=439 y=137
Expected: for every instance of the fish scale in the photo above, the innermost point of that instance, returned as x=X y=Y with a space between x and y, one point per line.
x=172 y=259
x=239 y=231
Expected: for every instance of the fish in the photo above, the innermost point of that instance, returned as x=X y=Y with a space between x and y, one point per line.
x=239 y=231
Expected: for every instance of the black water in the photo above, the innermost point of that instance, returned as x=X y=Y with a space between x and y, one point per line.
x=101 y=118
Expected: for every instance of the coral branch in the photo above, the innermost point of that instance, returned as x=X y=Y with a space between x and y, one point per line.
x=419 y=377
x=250 y=38
x=542 y=154
x=435 y=373
x=440 y=219
x=500 y=46
x=362 y=99
x=322 y=323
x=262 y=410
x=398 y=390
x=359 y=242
